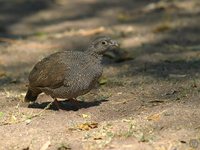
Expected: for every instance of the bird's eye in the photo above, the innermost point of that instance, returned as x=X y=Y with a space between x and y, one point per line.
x=104 y=42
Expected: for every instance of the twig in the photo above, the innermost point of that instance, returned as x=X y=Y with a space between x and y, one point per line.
x=31 y=117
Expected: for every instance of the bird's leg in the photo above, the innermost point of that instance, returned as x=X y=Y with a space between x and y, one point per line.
x=56 y=103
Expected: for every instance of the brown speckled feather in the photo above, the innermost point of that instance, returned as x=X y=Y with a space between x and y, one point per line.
x=42 y=76
x=68 y=74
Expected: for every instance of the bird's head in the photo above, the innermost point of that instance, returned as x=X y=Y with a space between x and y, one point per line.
x=102 y=44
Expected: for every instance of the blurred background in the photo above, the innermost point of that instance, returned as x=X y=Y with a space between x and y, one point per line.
x=146 y=29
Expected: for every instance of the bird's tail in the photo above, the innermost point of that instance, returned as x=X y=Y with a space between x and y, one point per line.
x=31 y=95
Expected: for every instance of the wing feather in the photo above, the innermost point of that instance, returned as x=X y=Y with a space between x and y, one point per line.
x=49 y=72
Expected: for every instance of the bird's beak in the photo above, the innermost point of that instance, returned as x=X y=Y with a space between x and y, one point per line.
x=114 y=43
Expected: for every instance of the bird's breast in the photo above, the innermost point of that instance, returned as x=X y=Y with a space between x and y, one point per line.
x=84 y=78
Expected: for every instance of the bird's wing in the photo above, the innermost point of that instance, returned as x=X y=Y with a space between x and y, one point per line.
x=50 y=71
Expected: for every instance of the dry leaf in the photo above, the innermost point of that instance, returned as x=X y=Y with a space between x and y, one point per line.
x=154 y=117
x=87 y=126
x=86 y=116
x=98 y=138
x=103 y=81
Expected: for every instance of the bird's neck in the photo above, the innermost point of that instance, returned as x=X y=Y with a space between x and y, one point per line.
x=94 y=54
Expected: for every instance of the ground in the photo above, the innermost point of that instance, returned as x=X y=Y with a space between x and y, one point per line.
x=148 y=97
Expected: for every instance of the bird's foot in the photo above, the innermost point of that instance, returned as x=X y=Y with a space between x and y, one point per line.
x=56 y=103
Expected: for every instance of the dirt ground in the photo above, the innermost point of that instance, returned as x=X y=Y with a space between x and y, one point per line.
x=148 y=98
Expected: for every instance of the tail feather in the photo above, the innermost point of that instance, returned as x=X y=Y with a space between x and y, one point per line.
x=31 y=96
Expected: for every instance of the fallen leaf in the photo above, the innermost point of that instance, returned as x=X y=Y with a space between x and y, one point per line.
x=28 y=121
x=102 y=97
x=98 y=138
x=126 y=120
x=156 y=101
x=103 y=81
x=154 y=117
x=86 y=116
x=13 y=118
x=87 y=126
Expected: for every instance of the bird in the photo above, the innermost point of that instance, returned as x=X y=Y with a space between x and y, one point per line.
x=68 y=74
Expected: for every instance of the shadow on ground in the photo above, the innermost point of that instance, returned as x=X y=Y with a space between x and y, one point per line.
x=67 y=105
x=13 y=12
x=177 y=53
